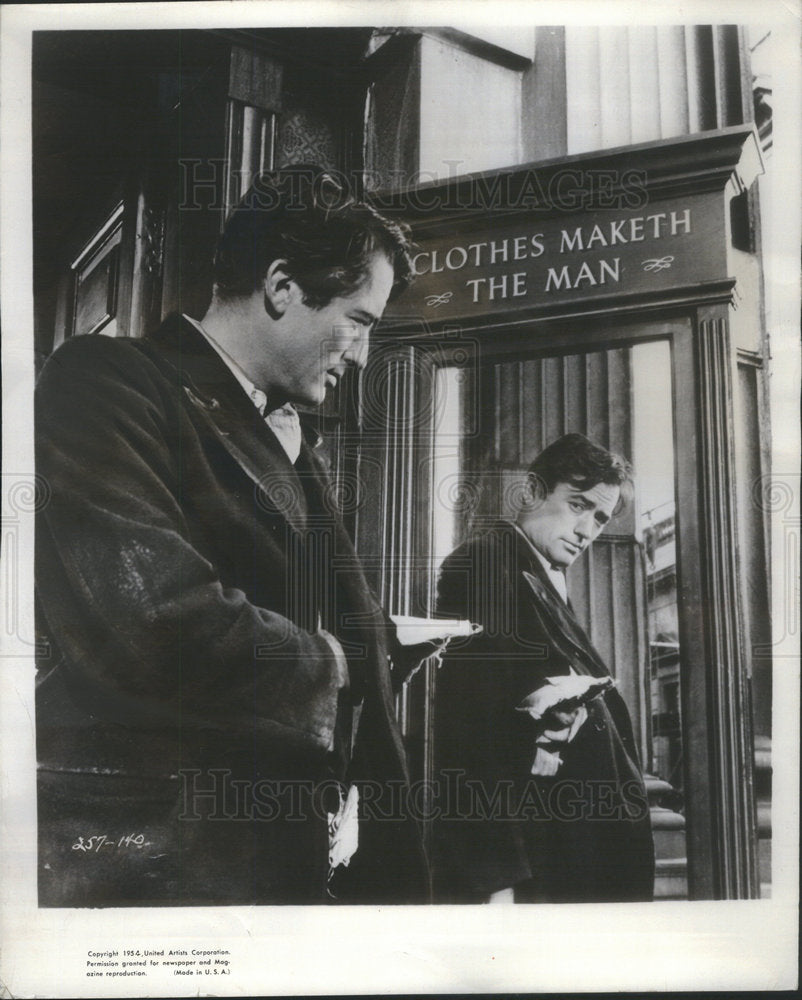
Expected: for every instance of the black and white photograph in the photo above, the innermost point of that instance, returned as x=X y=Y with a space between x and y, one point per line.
x=400 y=498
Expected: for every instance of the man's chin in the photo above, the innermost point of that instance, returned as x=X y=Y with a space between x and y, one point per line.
x=311 y=397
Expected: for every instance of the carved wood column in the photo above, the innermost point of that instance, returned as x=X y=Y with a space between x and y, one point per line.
x=716 y=703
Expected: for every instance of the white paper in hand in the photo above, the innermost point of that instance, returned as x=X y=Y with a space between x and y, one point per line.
x=411 y=630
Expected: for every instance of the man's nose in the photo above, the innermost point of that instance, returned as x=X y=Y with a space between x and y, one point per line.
x=356 y=353
x=585 y=525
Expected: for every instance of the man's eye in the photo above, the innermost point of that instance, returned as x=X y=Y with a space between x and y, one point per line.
x=576 y=506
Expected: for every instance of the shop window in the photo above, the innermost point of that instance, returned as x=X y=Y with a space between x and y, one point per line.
x=495 y=418
x=95 y=278
x=251 y=148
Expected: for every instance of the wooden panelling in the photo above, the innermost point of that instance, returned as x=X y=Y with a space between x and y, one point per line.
x=640 y=83
x=729 y=702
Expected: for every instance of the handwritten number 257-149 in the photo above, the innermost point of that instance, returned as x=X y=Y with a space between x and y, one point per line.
x=95 y=843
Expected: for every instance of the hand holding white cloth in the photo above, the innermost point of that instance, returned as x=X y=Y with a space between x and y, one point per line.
x=547 y=750
x=559 y=705
x=565 y=733
x=563 y=693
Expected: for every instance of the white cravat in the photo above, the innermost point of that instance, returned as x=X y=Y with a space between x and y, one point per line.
x=284 y=422
x=556 y=576
x=547 y=762
x=286 y=425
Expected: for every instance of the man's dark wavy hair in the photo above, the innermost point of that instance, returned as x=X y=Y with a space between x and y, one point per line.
x=302 y=215
x=575 y=459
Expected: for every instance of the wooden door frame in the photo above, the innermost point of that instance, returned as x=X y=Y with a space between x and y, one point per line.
x=716 y=718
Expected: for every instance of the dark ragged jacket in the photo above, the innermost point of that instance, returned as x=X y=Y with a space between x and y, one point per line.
x=191 y=716
x=583 y=835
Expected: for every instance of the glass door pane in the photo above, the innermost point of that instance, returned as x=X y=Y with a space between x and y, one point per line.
x=492 y=420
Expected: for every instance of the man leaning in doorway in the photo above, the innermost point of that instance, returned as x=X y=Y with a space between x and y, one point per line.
x=530 y=732
x=220 y=672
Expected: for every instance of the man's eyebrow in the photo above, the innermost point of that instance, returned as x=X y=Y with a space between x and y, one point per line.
x=577 y=495
x=363 y=314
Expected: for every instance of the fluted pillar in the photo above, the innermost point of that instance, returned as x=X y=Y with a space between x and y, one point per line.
x=635 y=84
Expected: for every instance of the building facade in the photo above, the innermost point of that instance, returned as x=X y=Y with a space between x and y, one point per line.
x=586 y=203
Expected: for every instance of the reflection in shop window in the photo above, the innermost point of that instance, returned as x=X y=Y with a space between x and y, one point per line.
x=492 y=420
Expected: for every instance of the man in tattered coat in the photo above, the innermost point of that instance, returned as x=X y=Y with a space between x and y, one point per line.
x=219 y=673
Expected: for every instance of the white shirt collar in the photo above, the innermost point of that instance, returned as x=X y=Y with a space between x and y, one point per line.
x=256 y=396
x=284 y=422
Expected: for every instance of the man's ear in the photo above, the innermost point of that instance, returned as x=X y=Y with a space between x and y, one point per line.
x=534 y=490
x=279 y=288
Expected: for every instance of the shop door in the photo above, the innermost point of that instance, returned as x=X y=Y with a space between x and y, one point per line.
x=648 y=591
